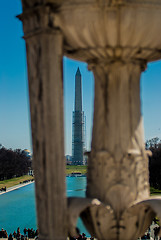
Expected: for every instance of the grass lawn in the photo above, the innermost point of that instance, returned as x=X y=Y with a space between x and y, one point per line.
x=71 y=169
x=154 y=191
x=14 y=181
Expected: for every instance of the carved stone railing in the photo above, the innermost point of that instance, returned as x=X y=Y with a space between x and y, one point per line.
x=116 y=38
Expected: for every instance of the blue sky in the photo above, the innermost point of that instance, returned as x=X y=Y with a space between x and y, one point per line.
x=15 y=129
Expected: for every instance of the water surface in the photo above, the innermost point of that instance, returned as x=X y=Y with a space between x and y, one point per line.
x=17 y=208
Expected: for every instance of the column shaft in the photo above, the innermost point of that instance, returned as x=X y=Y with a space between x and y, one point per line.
x=44 y=58
x=118 y=167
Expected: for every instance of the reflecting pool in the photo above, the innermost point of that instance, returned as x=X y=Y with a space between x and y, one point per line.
x=17 y=208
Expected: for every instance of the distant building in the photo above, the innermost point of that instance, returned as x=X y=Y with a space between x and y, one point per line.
x=78 y=138
x=27 y=153
x=31 y=172
x=68 y=160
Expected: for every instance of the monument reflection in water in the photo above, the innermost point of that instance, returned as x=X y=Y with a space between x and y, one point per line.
x=18 y=208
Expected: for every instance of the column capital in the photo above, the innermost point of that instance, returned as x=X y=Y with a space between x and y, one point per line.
x=39 y=18
x=113 y=64
x=112 y=3
x=30 y=4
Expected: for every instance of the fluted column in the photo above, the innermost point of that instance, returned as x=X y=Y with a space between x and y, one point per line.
x=44 y=45
x=117 y=204
x=117 y=161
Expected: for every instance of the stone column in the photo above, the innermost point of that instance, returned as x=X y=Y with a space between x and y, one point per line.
x=44 y=46
x=117 y=161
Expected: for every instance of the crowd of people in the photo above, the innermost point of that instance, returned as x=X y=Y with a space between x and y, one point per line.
x=27 y=233
x=80 y=236
x=3 y=233
x=26 y=181
x=33 y=234
x=3 y=189
x=155 y=235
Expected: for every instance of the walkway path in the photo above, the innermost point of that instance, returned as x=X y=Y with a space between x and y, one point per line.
x=16 y=187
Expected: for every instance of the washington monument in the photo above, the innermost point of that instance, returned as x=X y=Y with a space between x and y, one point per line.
x=78 y=141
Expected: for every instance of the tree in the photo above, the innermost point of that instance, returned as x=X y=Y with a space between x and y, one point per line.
x=13 y=163
x=154 y=145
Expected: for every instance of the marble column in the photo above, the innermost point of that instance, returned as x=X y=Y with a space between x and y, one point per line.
x=44 y=45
